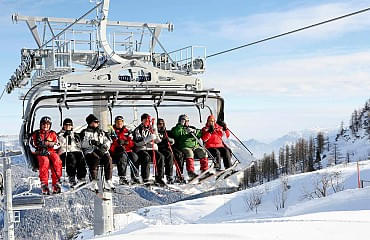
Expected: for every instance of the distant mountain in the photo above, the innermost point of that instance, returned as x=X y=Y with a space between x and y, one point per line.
x=259 y=148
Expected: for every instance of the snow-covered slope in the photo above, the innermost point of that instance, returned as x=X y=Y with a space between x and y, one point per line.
x=340 y=215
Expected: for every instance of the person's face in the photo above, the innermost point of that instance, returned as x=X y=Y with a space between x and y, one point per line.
x=160 y=124
x=119 y=123
x=146 y=122
x=186 y=123
x=211 y=122
x=45 y=126
x=67 y=127
x=94 y=124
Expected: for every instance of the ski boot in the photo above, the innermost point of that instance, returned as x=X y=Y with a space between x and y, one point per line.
x=94 y=186
x=123 y=181
x=135 y=180
x=159 y=182
x=170 y=180
x=180 y=180
x=192 y=175
x=57 y=188
x=81 y=181
x=45 y=189
x=72 y=182
x=108 y=185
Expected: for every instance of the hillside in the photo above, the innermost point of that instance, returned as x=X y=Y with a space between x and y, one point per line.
x=342 y=214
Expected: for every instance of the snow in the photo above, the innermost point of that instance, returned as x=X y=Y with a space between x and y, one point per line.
x=340 y=215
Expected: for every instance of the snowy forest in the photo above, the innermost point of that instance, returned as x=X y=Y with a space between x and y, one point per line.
x=307 y=155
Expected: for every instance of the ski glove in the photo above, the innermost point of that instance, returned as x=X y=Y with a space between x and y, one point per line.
x=223 y=125
x=190 y=130
x=211 y=129
x=94 y=142
x=67 y=133
x=49 y=144
x=122 y=142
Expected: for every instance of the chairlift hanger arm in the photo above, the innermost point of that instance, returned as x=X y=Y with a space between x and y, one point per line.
x=17 y=18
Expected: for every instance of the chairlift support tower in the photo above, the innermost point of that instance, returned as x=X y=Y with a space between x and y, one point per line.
x=98 y=63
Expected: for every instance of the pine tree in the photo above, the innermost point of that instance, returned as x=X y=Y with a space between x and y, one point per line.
x=287 y=159
x=318 y=160
x=311 y=151
x=253 y=174
x=320 y=142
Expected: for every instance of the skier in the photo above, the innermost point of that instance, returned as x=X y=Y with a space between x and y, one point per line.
x=185 y=137
x=71 y=154
x=45 y=142
x=121 y=151
x=95 y=145
x=212 y=137
x=146 y=139
x=165 y=148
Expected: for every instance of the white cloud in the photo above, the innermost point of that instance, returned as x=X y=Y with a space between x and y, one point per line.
x=307 y=76
x=257 y=26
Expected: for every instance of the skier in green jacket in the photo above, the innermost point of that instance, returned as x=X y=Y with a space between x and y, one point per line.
x=186 y=140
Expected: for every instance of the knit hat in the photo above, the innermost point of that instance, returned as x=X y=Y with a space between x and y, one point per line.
x=117 y=118
x=91 y=118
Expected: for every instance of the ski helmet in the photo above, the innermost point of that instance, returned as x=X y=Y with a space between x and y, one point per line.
x=45 y=119
x=68 y=121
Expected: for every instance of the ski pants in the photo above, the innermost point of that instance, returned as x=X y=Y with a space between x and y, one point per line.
x=145 y=156
x=75 y=163
x=168 y=161
x=219 y=153
x=121 y=159
x=97 y=158
x=53 y=162
x=179 y=158
x=200 y=153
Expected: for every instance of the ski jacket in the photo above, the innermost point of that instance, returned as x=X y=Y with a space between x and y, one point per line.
x=41 y=138
x=165 y=140
x=95 y=139
x=183 y=138
x=214 y=139
x=69 y=142
x=146 y=138
x=122 y=134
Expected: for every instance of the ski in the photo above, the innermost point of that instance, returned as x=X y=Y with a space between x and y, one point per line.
x=202 y=175
x=231 y=173
x=227 y=170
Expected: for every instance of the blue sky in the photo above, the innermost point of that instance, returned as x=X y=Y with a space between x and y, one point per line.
x=312 y=79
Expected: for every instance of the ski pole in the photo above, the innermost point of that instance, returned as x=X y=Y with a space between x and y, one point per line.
x=229 y=148
x=176 y=164
x=240 y=141
x=202 y=145
x=153 y=151
x=132 y=166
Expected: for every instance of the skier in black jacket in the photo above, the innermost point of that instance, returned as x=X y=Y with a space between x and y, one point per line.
x=95 y=145
x=164 y=148
x=146 y=139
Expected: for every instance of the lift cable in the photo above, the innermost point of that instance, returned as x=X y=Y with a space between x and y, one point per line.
x=2 y=94
x=290 y=32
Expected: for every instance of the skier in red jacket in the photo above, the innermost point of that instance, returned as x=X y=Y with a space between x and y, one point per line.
x=45 y=141
x=212 y=135
x=121 y=151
